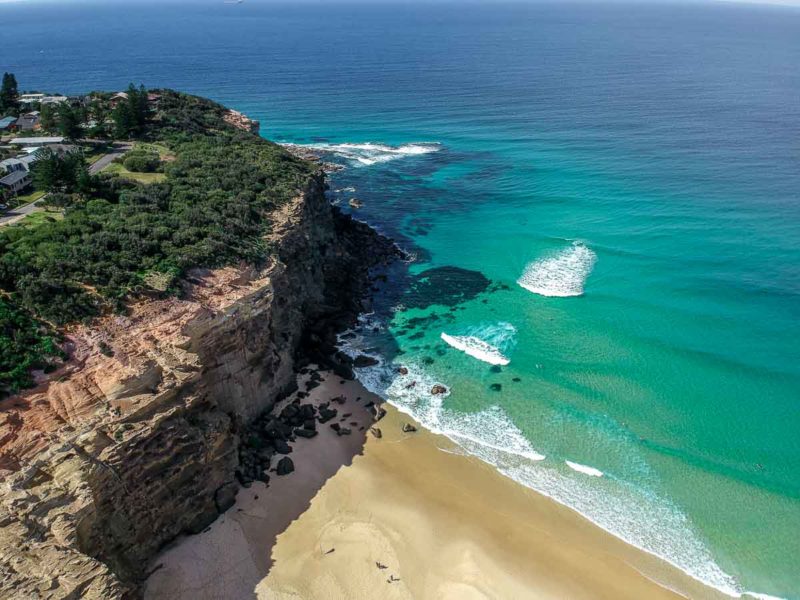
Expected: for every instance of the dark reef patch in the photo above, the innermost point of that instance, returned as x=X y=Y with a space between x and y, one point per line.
x=445 y=286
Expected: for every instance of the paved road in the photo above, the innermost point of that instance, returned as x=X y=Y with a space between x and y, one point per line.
x=105 y=160
x=17 y=214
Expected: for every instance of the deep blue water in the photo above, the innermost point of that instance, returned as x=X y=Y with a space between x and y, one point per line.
x=635 y=166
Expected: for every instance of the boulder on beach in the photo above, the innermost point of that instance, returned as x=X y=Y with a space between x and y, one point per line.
x=282 y=447
x=408 y=428
x=326 y=414
x=376 y=432
x=305 y=433
x=285 y=466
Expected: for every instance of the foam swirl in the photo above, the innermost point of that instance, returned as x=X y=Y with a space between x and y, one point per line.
x=562 y=275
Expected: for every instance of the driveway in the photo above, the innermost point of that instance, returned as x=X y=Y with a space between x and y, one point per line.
x=17 y=214
x=105 y=160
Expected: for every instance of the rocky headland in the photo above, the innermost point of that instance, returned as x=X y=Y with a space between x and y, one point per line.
x=146 y=433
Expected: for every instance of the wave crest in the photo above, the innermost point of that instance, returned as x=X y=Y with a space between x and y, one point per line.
x=476 y=348
x=562 y=275
x=371 y=153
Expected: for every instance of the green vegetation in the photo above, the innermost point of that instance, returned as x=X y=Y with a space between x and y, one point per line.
x=119 y=239
x=142 y=161
x=130 y=115
x=25 y=344
x=23 y=199
x=119 y=169
x=9 y=95
x=66 y=173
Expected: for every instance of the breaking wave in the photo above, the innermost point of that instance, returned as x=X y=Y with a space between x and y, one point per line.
x=561 y=275
x=586 y=470
x=476 y=348
x=640 y=517
x=373 y=153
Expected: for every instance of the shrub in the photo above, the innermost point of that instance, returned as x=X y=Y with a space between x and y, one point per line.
x=141 y=162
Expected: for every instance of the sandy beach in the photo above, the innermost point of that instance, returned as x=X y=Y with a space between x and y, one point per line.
x=403 y=515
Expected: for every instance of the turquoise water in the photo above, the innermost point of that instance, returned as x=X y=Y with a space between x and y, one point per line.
x=636 y=167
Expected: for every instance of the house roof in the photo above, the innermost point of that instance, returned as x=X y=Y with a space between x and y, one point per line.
x=6 y=121
x=9 y=162
x=14 y=177
x=37 y=141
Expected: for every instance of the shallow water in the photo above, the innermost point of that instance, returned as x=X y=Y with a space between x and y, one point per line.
x=606 y=196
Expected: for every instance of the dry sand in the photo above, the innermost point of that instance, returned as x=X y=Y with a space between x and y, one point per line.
x=444 y=526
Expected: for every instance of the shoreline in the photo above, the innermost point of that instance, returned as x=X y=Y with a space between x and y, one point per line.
x=445 y=524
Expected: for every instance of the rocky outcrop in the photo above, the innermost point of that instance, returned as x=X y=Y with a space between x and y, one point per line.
x=136 y=439
x=241 y=121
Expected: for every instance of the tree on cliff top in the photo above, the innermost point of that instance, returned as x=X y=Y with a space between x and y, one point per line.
x=132 y=113
x=9 y=95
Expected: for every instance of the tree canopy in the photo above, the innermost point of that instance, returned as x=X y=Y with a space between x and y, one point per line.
x=9 y=95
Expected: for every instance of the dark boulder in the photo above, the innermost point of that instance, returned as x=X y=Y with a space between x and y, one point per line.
x=496 y=387
x=305 y=433
x=362 y=361
x=438 y=389
x=282 y=447
x=326 y=414
x=408 y=428
x=285 y=466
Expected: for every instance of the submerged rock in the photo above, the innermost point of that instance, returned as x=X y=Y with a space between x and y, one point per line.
x=362 y=361
x=496 y=387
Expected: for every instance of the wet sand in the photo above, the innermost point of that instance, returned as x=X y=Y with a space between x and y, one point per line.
x=408 y=517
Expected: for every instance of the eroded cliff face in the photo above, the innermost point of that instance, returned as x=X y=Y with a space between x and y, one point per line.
x=135 y=441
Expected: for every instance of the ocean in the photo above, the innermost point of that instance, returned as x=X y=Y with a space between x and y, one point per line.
x=602 y=202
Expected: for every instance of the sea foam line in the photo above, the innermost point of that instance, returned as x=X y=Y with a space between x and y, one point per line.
x=370 y=153
x=586 y=470
x=561 y=275
x=616 y=506
x=476 y=348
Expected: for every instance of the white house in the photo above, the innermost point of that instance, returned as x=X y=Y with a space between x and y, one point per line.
x=16 y=181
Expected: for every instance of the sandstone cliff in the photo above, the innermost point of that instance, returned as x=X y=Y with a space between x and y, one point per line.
x=135 y=440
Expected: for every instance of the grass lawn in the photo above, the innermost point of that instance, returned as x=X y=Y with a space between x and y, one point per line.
x=140 y=177
x=37 y=218
x=28 y=198
x=161 y=149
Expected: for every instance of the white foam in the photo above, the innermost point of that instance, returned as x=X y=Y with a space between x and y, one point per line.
x=586 y=470
x=640 y=517
x=762 y=596
x=371 y=153
x=561 y=275
x=489 y=429
x=476 y=348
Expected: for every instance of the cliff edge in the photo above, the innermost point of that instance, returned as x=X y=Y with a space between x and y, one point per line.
x=135 y=440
